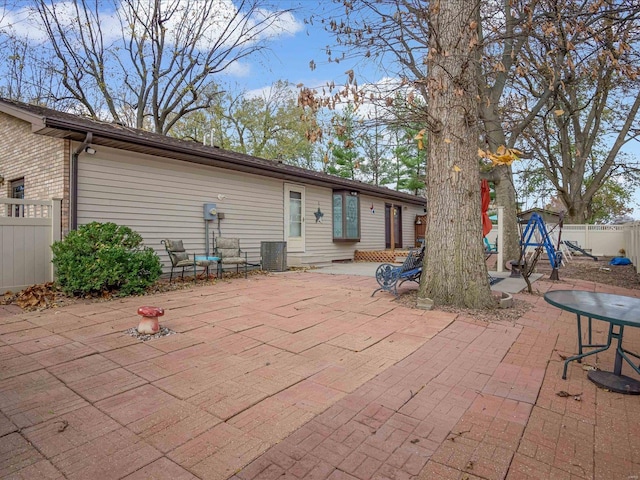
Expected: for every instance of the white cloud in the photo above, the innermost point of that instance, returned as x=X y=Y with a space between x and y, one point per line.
x=285 y=25
x=24 y=22
x=225 y=25
x=238 y=69
x=266 y=92
x=263 y=92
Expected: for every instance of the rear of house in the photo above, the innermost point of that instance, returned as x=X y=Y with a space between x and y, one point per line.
x=159 y=186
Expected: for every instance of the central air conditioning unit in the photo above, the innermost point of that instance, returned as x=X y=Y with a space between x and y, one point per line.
x=274 y=256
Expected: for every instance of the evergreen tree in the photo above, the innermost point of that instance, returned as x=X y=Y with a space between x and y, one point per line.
x=346 y=160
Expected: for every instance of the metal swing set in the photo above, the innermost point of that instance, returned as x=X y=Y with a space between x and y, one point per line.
x=535 y=234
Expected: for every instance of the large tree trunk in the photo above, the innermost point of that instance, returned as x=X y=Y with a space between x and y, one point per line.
x=454 y=270
x=577 y=213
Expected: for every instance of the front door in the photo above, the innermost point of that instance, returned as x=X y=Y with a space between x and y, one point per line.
x=294 y=217
x=392 y=223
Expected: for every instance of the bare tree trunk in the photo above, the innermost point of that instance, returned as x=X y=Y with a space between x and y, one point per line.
x=454 y=271
x=502 y=176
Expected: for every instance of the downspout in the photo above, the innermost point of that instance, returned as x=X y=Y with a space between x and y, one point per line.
x=73 y=182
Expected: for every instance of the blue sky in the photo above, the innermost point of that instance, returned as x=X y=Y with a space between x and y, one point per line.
x=290 y=54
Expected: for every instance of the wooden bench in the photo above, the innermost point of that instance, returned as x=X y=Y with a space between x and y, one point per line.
x=390 y=276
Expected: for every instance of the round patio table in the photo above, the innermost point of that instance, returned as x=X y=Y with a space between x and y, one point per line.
x=619 y=311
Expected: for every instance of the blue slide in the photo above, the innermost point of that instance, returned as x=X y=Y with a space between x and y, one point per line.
x=575 y=247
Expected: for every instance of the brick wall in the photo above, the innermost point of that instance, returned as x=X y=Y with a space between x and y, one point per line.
x=42 y=161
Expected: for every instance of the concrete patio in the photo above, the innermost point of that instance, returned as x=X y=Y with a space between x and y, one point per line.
x=304 y=375
x=506 y=284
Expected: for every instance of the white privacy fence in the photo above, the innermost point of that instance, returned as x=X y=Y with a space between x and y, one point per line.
x=27 y=230
x=602 y=240
x=632 y=243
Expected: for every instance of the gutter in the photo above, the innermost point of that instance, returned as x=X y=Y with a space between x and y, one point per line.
x=73 y=181
x=207 y=156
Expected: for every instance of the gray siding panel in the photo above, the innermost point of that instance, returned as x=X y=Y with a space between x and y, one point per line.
x=163 y=198
x=409 y=226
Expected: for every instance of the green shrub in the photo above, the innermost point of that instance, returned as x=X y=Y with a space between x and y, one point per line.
x=101 y=257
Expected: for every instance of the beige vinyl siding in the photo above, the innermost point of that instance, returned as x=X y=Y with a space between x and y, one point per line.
x=408 y=225
x=162 y=198
x=371 y=224
x=320 y=247
x=315 y=233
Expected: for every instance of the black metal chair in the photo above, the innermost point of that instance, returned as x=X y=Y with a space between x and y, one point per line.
x=229 y=252
x=390 y=276
x=181 y=259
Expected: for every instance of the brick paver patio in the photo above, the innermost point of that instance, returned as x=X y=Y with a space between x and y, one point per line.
x=305 y=376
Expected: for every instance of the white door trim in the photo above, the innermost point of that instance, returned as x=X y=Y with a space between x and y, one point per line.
x=294 y=210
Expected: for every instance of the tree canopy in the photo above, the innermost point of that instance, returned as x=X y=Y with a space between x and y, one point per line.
x=143 y=63
x=558 y=80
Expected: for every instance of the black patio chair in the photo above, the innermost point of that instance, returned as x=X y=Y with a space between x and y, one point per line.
x=390 y=276
x=181 y=259
x=229 y=252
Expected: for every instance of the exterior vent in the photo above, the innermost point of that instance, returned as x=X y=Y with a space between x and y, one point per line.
x=274 y=256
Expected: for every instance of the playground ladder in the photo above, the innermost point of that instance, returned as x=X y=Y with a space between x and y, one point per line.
x=536 y=235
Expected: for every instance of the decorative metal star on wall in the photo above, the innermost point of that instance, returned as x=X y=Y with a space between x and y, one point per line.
x=318 y=215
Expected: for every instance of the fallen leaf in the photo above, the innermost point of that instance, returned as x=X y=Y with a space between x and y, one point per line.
x=36 y=296
x=562 y=393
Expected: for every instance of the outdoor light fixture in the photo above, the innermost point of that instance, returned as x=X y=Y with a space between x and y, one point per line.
x=90 y=150
x=418 y=221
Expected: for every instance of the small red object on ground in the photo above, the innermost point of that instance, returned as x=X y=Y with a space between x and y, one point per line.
x=149 y=322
